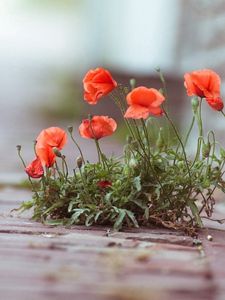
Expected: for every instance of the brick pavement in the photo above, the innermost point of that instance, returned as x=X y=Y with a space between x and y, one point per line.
x=45 y=262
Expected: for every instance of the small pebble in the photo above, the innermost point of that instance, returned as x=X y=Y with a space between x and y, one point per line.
x=209 y=238
x=197 y=242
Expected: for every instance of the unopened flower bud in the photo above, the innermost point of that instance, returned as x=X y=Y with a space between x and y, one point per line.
x=79 y=162
x=132 y=83
x=18 y=147
x=57 y=152
x=206 y=150
x=195 y=104
x=70 y=129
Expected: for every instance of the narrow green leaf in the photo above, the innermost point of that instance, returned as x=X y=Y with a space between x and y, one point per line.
x=132 y=217
x=89 y=220
x=137 y=183
x=97 y=215
x=119 y=221
x=194 y=210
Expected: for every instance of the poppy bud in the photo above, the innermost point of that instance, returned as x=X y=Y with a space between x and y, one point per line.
x=70 y=129
x=132 y=83
x=57 y=152
x=79 y=162
x=18 y=147
x=160 y=141
x=206 y=150
x=195 y=104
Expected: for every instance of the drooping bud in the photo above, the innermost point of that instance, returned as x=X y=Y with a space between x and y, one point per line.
x=206 y=149
x=79 y=161
x=194 y=104
x=57 y=152
x=70 y=129
x=18 y=147
x=132 y=83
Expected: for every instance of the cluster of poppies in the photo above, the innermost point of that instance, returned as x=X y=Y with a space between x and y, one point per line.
x=141 y=102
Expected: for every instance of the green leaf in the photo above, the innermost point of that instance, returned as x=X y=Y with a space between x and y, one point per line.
x=97 y=215
x=89 y=220
x=132 y=217
x=139 y=203
x=119 y=221
x=137 y=183
x=146 y=214
x=78 y=212
x=54 y=222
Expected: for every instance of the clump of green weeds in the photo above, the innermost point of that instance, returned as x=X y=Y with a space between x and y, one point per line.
x=155 y=182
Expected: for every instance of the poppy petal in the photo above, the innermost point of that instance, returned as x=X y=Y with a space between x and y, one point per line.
x=137 y=112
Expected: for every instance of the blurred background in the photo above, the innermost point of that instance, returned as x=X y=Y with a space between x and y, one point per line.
x=48 y=45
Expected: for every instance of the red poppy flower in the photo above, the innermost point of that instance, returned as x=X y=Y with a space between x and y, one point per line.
x=97 y=83
x=215 y=103
x=46 y=140
x=104 y=184
x=204 y=84
x=35 y=169
x=142 y=102
x=53 y=137
x=98 y=127
x=46 y=155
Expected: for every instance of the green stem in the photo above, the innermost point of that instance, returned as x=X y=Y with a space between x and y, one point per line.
x=163 y=81
x=200 y=128
x=189 y=131
x=66 y=167
x=213 y=144
x=146 y=135
x=98 y=150
x=83 y=179
x=222 y=113
x=101 y=155
x=149 y=158
x=133 y=131
x=23 y=162
x=198 y=151
x=78 y=147
x=181 y=143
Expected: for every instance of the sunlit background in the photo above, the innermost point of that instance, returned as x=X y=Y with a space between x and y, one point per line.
x=47 y=46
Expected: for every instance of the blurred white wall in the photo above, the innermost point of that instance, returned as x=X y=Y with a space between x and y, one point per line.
x=130 y=35
x=133 y=35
